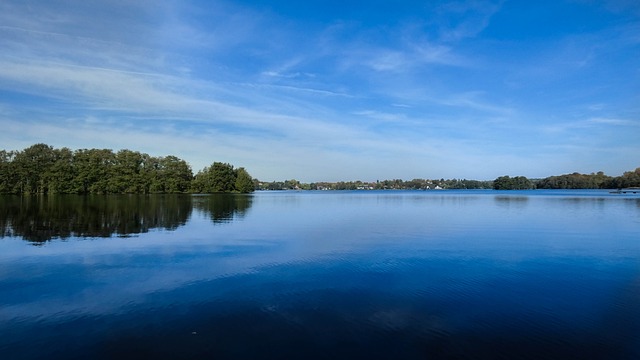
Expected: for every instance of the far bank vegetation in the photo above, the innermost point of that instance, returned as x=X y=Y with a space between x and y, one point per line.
x=42 y=169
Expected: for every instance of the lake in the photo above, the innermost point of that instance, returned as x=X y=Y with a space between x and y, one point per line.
x=473 y=274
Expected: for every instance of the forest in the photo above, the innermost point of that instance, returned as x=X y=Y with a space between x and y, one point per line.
x=42 y=169
x=570 y=181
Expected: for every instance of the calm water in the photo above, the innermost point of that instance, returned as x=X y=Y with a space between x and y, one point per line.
x=322 y=275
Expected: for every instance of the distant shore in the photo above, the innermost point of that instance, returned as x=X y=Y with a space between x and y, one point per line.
x=42 y=169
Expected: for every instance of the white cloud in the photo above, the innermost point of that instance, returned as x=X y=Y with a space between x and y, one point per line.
x=613 y=121
x=464 y=19
x=412 y=53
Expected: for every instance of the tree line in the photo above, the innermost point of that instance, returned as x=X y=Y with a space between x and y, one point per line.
x=570 y=181
x=42 y=169
x=394 y=184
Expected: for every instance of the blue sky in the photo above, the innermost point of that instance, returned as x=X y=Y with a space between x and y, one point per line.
x=330 y=90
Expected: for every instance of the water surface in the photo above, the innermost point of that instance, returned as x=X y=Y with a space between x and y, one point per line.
x=368 y=274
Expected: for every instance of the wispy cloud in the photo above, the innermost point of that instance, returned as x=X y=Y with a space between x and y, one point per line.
x=458 y=20
x=407 y=59
x=613 y=121
x=473 y=100
x=382 y=116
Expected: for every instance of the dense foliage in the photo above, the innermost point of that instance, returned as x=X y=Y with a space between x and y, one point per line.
x=41 y=169
x=576 y=181
x=571 y=181
x=222 y=177
x=591 y=181
x=628 y=179
x=513 y=183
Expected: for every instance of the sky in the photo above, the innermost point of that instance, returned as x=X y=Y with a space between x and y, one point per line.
x=330 y=90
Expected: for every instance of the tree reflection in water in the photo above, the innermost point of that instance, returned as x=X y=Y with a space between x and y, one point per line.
x=41 y=218
x=222 y=208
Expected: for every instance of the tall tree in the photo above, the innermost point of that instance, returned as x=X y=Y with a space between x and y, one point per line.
x=62 y=173
x=127 y=173
x=223 y=177
x=244 y=182
x=93 y=169
x=176 y=174
x=8 y=177
x=32 y=166
x=219 y=177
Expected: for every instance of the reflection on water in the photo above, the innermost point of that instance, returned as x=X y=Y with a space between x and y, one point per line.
x=42 y=218
x=326 y=275
x=511 y=202
x=222 y=208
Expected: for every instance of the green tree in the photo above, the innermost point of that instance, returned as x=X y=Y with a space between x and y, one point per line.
x=515 y=183
x=93 y=170
x=32 y=166
x=575 y=181
x=244 y=183
x=128 y=175
x=219 y=177
x=8 y=177
x=63 y=172
x=176 y=173
x=167 y=175
x=223 y=177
